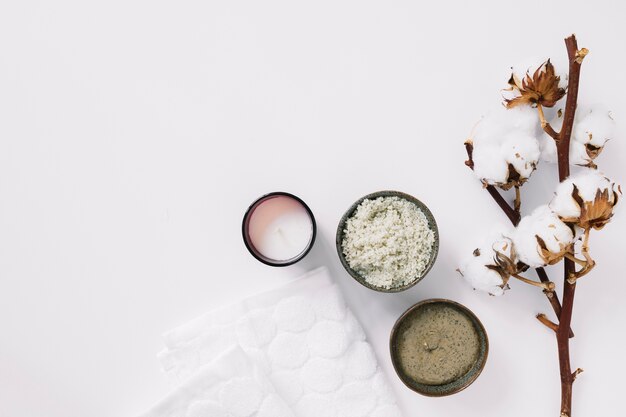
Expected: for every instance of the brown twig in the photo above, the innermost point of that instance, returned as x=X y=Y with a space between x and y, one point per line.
x=587 y=265
x=545 y=125
x=569 y=290
x=510 y=212
x=547 y=322
x=469 y=148
x=550 y=131
x=514 y=217
x=552 y=297
x=547 y=286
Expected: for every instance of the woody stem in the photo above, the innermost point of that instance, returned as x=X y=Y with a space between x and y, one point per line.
x=547 y=322
x=569 y=288
x=545 y=125
x=548 y=286
x=573 y=258
x=587 y=265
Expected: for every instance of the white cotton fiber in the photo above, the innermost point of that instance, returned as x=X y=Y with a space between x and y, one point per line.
x=501 y=121
x=522 y=151
x=503 y=137
x=549 y=227
x=489 y=165
x=577 y=151
x=475 y=270
x=482 y=278
x=593 y=127
x=588 y=182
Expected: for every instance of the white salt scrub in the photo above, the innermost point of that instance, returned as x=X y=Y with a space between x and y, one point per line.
x=388 y=241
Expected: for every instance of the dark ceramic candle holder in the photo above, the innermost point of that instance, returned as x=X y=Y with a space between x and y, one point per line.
x=250 y=246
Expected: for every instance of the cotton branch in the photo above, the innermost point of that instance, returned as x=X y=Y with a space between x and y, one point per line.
x=514 y=216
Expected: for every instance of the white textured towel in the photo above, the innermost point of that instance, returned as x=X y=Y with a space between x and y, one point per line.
x=231 y=385
x=302 y=337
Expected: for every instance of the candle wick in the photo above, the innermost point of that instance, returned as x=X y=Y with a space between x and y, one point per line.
x=279 y=230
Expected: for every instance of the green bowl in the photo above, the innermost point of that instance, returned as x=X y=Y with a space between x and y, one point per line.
x=450 y=331
x=340 y=235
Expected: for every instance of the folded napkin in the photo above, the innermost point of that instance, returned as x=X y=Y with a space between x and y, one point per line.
x=302 y=337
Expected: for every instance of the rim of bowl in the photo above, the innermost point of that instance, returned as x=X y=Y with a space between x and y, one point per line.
x=254 y=252
x=458 y=384
x=386 y=193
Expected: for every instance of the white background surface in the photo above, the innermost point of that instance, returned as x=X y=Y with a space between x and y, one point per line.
x=133 y=135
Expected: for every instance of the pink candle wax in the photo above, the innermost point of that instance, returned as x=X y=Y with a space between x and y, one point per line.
x=279 y=227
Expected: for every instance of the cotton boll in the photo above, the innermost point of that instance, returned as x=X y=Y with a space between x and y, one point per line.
x=480 y=270
x=489 y=165
x=588 y=182
x=548 y=148
x=503 y=137
x=530 y=65
x=522 y=151
x=547 y=226
x=597 y=195
x=482 y=278
x=500 y=121
x=524 y=118
x=595 y=127
x=521 y=118
x=592 y=128
x=577 y=151
x=578 y=154
x=537 y=84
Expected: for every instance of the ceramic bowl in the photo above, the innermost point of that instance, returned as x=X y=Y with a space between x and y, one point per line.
x=458 y=383
x=340 y=235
